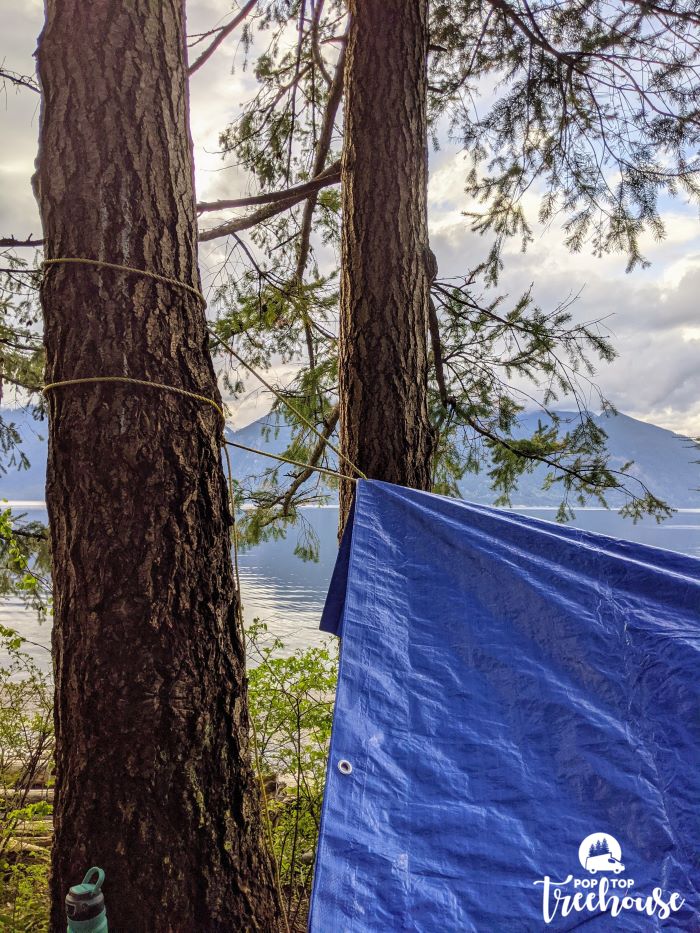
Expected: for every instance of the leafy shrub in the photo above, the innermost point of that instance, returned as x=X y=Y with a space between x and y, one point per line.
x=25 y=561
x=291 y=707
x=26 y=752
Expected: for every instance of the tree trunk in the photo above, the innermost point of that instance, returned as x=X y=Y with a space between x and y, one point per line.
x=385 y=285
x=153 y=779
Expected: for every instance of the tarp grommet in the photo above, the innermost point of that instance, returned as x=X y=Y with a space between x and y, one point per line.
x=344 y=766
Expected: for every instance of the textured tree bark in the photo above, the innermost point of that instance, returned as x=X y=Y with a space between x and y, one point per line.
x=154 y=782
x=383 y=375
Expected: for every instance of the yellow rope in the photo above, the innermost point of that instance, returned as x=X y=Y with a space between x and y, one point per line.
x=100 y=264
x=224 y=443
x=285 y=401
x=298 y=463
x=137 y=382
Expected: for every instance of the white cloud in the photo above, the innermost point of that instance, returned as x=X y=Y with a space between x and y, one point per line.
x=255 y=401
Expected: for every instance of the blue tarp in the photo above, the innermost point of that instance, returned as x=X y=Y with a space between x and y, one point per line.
x=516 y=742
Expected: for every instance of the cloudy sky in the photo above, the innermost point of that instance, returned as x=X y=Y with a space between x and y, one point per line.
x=653 y=315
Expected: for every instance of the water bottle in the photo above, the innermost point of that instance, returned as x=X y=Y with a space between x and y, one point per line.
x=85 y=905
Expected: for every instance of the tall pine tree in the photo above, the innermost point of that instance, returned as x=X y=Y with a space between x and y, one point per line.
x=385 y=271
x=153 y=778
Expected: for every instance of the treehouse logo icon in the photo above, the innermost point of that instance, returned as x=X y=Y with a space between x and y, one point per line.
x=602 y=888
x=600 y=852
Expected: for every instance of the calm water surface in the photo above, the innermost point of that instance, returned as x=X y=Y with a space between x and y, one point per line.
x=288 y=593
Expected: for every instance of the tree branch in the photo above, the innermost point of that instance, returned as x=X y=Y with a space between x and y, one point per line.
x=250 y=220
x=14 y=77
x=35 y=535
x=328 y=428
x=648 y=6
x=18 y=383
x=222 y=34
x=437 y=354
x=323 y=147
x=265 y=213
x=329 y=176
x=318 y=57
x=555 y=464
x=10 y=242
x=534 y=34
x=431 y=271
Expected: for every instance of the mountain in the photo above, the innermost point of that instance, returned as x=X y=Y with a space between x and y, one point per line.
x=269 y=434
x=665 y=461
x=18 y=483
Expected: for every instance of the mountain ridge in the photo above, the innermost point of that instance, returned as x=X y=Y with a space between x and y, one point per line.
x=665 y=461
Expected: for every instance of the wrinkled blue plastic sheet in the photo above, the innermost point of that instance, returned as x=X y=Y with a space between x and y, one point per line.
x=508 y=688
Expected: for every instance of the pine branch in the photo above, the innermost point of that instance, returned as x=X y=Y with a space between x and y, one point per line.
x=221 y=34
x=316 y=49
x=250 y=220
x=14 y=77
x=329 y=176
x=322 y=150
x=578 y=475
x=35 y=535
x=18 y=383
x=10 y=242
x=295 y=86
x=437 y=355
x=316 y=454
x=649 y=6
x=534 y=34
x=265 y=213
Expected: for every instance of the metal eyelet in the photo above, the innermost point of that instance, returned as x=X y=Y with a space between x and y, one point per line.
x=344 y=766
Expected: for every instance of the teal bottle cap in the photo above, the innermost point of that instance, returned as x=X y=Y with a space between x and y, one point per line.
x=86 y=888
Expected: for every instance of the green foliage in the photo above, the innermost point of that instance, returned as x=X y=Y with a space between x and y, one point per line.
x=26 y=754
x=21 y=350
x=291 y=709
x=26 y=721
x=24 y=898
x=21 y=353
x=24 y=561
x=591 y=106
x=487 y=357
x=280 y=126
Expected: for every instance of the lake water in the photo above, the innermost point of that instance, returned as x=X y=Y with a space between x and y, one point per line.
x=288 y=593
